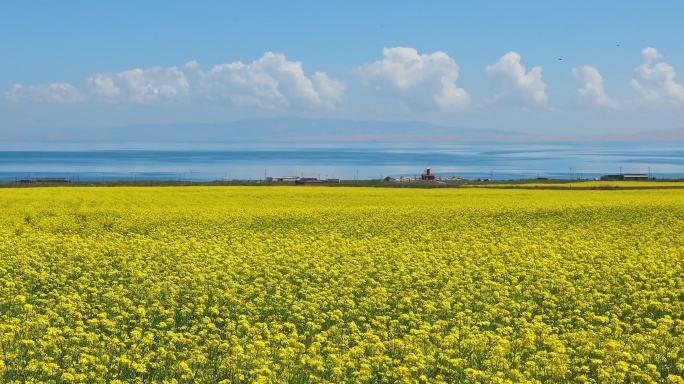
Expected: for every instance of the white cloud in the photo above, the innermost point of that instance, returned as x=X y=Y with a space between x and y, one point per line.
x=54 y=93
x=140 y=85
x=655 y=81
x=590 y=82
x=192 y=64
x=103 y=85
x=270 y=82
x=419 y=80
x=329 y=89
x=515 y=83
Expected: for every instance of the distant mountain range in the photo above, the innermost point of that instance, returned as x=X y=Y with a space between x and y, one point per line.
x=291 y=129
x=297 y=129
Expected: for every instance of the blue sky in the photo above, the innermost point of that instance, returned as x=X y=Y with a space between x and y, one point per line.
x=559 y=68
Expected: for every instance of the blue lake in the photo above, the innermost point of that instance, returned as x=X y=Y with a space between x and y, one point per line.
x=498 y=160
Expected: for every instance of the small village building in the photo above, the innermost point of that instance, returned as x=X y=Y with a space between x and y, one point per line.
x=625 y=177
x=290 y=179
x=427 y=175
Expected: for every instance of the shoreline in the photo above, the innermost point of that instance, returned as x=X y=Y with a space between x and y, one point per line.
x=530 y=184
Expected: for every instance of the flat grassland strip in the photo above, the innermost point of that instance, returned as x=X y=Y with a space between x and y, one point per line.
x=291 y=284
x=552 y=184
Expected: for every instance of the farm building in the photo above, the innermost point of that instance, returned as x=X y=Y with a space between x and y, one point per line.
x=625 y=176
x=427 y=175
x=291 y=179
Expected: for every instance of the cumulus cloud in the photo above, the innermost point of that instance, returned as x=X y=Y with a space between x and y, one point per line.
x=192 y=64
x=654 y=80
x=515 y=82
x=330 y=90
x=590 y=84
x=270 y=82
x=140 y=85
x=419 y=80
x=54 y=93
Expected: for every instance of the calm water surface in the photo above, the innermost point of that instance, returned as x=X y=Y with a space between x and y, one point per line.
x=501 y=161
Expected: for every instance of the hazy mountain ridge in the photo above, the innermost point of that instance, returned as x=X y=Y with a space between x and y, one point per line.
x=295 y=129
x=290 y=129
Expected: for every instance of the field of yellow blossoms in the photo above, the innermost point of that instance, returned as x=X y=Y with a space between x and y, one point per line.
x=315 y=284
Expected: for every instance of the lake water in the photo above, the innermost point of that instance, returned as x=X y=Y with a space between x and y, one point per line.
x=472 y=160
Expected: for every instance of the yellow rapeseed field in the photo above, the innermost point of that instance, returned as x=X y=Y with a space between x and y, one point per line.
x=588 y=184
x=315 y=284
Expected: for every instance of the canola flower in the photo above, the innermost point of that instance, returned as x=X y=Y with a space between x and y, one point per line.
x=360 y=285
x=593 y=184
